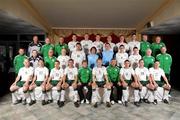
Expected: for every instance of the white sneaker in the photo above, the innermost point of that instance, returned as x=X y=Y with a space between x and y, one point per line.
x=112 y=102
x=87 y=101
x=120 y=102
x=82 y=101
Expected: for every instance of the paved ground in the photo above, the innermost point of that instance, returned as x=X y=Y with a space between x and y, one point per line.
x=87 y=112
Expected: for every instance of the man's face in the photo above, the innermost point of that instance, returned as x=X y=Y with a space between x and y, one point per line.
x=84 y=64
x=21 y=51
x=134 y=37
x=86 y=36
x=141 y=63
x=122 y=49
x=163 y=50
x=98 y=37
x=56 y=65
x=113 y=62
x=47 y=40
x=107 y=47
x=121 y=38
x=61 y=40
x=50 y=53
x=145 y=37
x=41 y=63
x=74 y=37
x=99 y=63
x=126 y=64
x=26 y=63
x=148 y=52
x=78 y=47
x=34 y=53
x=35 y=39
x=158 y=39
x=70 y=63
x=63 y=51
x=109 y=39
x=136 y=51
x=156 y=64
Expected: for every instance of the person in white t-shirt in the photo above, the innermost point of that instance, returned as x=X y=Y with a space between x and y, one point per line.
x=70 y=81
x=63 y=59
x=109 y=40
x=78 y=56
x=156 y=73
x=133 y=43
x=122 y=41
x=23 y=79
x=72 y=44
x=98 y=44
x=134 y=58
x=145 y=84
x=40 y=78
x=100 y=80
x=121 y=56
x=55 y=80
x=86 y=44
x=128 y=79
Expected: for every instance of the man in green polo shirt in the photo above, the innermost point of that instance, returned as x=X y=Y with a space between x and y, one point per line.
x=148 y=59
x=165 y=60
x=113 y=76
x=84 y=80
x=60 y=46
x=18 y=60
x=144 y=45
x=46 y=47
x=156 y=46
x=50 y=60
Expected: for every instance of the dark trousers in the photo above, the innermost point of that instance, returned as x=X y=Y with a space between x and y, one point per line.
x=81 y=93
x=119 y=92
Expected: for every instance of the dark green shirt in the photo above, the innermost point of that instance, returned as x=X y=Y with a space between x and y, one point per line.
x=45 y=49
x=59 y=47
x=85 y=75
x=113 y=73
x=18 y=62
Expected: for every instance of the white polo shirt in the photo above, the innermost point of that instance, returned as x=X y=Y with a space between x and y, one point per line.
x=63 y=60
x=156 y=73
x=41 y=73
x=72 y=45
x=142 y=73
x=127 y=73
x=71 y=73
x=99 y=73
x=121 y=57
x=78 y=57
x=56 y=74
x=25 y=73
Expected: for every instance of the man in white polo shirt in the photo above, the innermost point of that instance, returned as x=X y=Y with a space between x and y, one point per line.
x=40 y=78
x=22 y=80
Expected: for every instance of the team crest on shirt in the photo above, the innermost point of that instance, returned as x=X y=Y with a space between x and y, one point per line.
x=166 y=58
x=57 y=74
x=78 y=56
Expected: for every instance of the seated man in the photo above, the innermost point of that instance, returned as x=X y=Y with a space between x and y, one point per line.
x=113 y=76
x=144 y=81
x=128 y=79
x=70 y=81
x=40 y=79
x=156 y=73
x=54 y=80
x=22 y=80
x=100 y=80
x=84 y=80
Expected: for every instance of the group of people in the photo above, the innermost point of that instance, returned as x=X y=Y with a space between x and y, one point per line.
x=90 y=68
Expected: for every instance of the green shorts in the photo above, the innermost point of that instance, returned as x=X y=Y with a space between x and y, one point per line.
x=100 y=84
x=70 y=82
x=20 y=83
x=54 y=82
x=128 y=82
x=144 y=83
x=38 y=83
x=160 y=83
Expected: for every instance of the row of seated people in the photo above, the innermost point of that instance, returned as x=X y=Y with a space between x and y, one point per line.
x=146 y=83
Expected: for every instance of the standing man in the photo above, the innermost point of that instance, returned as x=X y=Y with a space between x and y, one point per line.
x=144 y=45
x=165 y=60
x=18 y=60
x=46 y=47
x=86 y=43
x=133 y=43
x=59 y=46
x=34 y=45
x=156 y=46
x=72 y=44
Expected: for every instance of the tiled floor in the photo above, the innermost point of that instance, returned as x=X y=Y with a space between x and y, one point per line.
x=87 y=112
